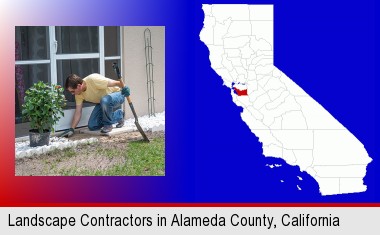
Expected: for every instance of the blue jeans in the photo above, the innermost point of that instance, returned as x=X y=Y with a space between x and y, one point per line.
x=107 y=112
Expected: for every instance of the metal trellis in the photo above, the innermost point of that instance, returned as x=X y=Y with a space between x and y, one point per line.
x=149 y=72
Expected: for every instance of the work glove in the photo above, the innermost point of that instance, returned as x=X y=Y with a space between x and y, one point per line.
x=125 y=91
x=67 y=133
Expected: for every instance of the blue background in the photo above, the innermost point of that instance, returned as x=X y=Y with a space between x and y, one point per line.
x=326 y=47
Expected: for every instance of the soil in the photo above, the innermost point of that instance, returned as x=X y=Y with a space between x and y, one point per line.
x=81 y=158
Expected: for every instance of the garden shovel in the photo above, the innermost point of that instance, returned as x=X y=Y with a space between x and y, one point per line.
x=117 y=71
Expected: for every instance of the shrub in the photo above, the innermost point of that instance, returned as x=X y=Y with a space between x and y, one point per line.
x=43 y=106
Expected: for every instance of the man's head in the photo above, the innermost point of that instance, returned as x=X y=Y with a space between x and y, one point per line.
x=74 y=84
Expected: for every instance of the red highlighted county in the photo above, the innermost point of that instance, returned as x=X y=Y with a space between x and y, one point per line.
x=241 y=92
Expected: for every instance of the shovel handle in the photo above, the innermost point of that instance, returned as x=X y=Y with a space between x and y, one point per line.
x=117 y=71
x=129 y=100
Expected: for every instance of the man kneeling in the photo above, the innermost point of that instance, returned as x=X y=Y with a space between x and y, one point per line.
x=105 y=93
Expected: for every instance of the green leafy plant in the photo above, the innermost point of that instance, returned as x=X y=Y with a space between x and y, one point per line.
x=43 y=106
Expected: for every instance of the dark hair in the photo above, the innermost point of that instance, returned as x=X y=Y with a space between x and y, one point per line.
x=72 y=81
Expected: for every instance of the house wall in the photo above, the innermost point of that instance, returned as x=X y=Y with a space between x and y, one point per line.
x=134 y=67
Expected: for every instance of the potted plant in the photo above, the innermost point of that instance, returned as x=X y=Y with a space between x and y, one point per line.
x=43 y=107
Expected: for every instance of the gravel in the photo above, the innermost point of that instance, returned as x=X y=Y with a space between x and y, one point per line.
x=24 y=150
x=153 y=123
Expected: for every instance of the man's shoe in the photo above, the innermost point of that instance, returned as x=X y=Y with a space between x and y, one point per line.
x=120 y=123
x=106 y=129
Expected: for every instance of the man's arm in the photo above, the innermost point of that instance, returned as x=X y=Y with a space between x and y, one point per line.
x=112 y=83
x=77 y=115
x=124 y=90
x=76 y=118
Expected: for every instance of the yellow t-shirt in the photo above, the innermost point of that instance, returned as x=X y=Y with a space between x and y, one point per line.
x=96 y=88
